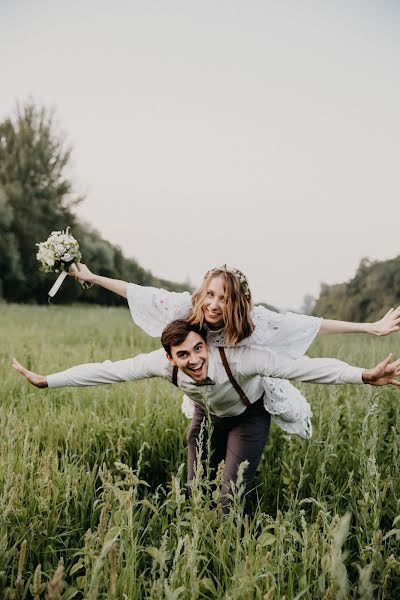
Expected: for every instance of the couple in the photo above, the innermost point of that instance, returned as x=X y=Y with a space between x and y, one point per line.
x=223 y=304
x=233 y=380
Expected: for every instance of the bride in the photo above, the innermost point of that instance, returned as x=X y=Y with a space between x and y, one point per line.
x=223 y=303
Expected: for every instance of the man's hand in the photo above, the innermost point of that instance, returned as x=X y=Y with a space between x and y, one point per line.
x=388 y=324
x=384 y=373
x=37 y=380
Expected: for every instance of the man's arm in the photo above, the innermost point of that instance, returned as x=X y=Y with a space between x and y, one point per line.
x=35 y=379
x=143 y=366
x=317 y=370
x=384 y=373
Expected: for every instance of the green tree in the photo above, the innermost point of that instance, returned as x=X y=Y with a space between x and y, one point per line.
x=39 y=197
x=10 y=263
x=36 y=198
x=308 y=304
x=373 y=290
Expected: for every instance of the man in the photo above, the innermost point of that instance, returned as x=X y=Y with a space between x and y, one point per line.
x=228 y=380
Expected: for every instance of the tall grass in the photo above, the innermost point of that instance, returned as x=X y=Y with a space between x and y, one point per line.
x=93 y=499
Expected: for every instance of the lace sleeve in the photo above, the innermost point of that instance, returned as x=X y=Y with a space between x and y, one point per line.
x=152 y=308
x=288 y=333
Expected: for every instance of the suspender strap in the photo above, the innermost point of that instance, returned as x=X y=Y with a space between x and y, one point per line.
x=233 y=381
x=227 y=368
x=175 y=376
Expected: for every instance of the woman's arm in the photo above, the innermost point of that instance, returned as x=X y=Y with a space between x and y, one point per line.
x=113 y=285
x=292 y=333
x=151 y=308
x=390 y=323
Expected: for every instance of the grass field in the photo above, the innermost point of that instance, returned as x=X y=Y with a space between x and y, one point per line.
x=92 y=496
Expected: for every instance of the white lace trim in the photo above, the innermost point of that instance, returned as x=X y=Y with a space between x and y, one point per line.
x=292 y=334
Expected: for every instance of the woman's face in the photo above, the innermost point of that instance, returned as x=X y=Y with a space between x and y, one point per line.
x=213 y=307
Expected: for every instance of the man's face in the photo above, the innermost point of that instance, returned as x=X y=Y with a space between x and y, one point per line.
x=191 y=356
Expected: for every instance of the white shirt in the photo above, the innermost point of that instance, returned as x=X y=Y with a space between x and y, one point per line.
x=290 y=333
x=248 y=366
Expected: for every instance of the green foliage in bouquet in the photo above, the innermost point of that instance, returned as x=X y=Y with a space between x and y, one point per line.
x=58 y=252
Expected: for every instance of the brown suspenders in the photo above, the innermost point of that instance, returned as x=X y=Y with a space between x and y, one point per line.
x=227 y=368
x=233 y=381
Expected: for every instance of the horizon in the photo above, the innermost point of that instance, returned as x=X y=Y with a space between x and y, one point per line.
x=265 y=136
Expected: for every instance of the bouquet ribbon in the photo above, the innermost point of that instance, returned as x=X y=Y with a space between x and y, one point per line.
x=58 y=282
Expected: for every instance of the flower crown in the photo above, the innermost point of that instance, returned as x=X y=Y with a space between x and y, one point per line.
x=241 y=276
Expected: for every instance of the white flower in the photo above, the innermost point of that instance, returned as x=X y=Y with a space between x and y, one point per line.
x=58 y=251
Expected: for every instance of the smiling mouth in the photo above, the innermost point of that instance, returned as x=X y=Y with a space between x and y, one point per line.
x=214 y=314
x=196 y=369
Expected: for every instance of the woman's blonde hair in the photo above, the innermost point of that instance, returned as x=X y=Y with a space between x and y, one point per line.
x=237 y=308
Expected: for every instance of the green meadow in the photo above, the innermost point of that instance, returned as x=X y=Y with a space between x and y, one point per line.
x=92 y=493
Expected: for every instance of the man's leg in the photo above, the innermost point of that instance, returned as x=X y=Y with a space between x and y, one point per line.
x=246 y=441
x=219 y=440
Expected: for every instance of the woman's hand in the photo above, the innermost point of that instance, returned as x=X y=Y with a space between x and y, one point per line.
x=384 y=373
x=81 y=272
x=37 y=380
x=390 y=323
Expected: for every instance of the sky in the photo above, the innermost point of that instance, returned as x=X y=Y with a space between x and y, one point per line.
x=261 y=134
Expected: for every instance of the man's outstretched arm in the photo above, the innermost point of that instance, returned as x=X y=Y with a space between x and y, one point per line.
x=319 y=370
x=384 y=373
x=35 y=379
x=143 y=366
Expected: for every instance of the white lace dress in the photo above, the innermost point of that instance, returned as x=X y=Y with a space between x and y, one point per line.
x=152 y=309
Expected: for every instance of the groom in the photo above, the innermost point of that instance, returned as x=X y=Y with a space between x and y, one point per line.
x=228 y=380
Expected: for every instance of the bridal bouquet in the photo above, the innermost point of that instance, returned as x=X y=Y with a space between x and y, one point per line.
x=59 y=253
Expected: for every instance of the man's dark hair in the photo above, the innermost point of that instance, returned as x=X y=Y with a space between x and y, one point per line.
x=176 y=332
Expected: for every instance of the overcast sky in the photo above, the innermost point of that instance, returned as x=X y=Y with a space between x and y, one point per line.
x=262 y=134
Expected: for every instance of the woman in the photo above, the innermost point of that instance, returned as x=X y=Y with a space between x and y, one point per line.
x=223 y=303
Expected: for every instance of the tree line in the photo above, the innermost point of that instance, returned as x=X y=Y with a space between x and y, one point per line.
x=375 y=286
x=38 y=197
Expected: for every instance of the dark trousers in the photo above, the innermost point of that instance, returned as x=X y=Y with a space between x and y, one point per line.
x=234 y=440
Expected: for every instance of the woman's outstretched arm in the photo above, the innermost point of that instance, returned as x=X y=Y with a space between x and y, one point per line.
x=390 y=323
x=151 y=308
x=113 y=285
